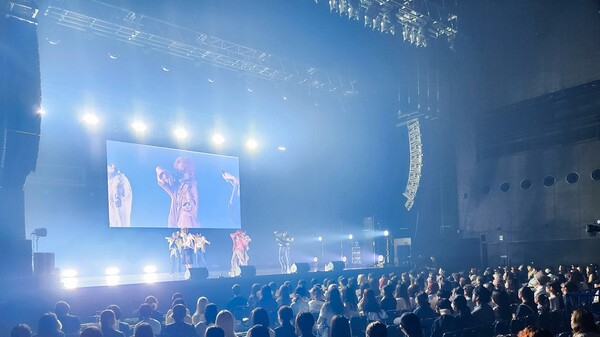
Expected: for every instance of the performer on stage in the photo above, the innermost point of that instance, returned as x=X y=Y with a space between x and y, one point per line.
x=200 y=243
x=284 y=241
x=233 y=206
x=241 y=245
x=175 y=246
x=119 y=198
x=188 y=247
x=183 y=192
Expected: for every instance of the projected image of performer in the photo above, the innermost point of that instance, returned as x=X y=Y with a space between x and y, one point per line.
x=233 y=206
x=188 y=247
x=200 y=243
x=183 y=192
x=175 y=249
x=119 y=198
x=284 y=241
x=241 y=245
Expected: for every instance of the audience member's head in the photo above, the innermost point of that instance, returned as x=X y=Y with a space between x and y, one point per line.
x=21 y=330
x=107 y=319
x=62 y=308
x=582 y=321
x=444 y=306
x=152 y=301
x=304 y=323
x=225 y=321
x=179 y=312
x=258 y=331
x=526 y=294
x=201 y=304
x=481 y=295
x=144 y=330
x=115 y=308
x=459 y=303
x=340 y=327
x=236 y=290
x=91 y=331
x=214 y=331
x=376 y=329
x=48 y=325
x=422 y=299
x=259 y=316
x=285 y=315
x=210 y=313
x=534 y=332
x=411 y=325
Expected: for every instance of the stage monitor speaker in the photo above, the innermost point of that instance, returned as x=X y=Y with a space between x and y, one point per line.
x=300 y=268
x=196 y=274
x=43 y=264
x=335 y=266
x=248 y=271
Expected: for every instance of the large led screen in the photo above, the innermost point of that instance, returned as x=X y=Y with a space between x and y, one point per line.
x=159 y=187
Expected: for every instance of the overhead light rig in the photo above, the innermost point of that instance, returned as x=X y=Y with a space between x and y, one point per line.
x=417 y=21
x=147 y=32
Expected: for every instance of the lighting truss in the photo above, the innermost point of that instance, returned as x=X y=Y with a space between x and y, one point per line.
x=416 y=21
x=25 y=10
x=416 y=162
x=146 y=32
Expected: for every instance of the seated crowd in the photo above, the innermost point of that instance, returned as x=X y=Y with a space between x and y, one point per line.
x=522 y=301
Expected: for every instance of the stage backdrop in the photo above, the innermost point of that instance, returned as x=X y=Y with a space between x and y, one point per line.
x=209 y=199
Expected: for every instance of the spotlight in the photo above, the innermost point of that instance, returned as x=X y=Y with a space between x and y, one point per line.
x=112 y=280
x=380 y=258
x=386 y=233
x=68 y=273
x=350 y=237
x=218 y=139
x=41 y=111
x=180 y=133
x=70 y=283
x=139 y=126
x=251 y=144
x=150 y=278
x=344 y=259
x=150 y=269
x=91 y=119
x=315 y=259
x=111 y=271
x=320 y=238
x=281 y=148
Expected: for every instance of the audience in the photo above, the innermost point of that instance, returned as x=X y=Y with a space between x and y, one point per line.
x=180 y=328
x=210 y=314
x=237 y=304
x=91 y=331
x=583 y=324
x=108 y=322
x=423 y=309
x=285 y=316
x=376 y=329
x=215 y=331
x=340 y=327
x=143 y=330
x=21 y=330
x=304 y=324
x=145 y=311
x=200 y=308
x=483 y=313
x=70 y=324
x=410 y=325
x=226 y=321
x=121 y=326
x=258 y=331
x=157 y=315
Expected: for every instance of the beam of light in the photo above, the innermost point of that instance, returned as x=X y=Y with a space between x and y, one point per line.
x=66 y=273
x=180 y=133
x=218 y=139
x=251 y=144
x=70 y=283
x=90 y=119
x=111 y=271
x=139 y=126
x=112 y=280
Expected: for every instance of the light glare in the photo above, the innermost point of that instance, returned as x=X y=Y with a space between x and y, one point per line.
x=386 y=233
x=251 y=144
x=91 y=119
x=218 y=139
x=180 y=133
x=281 y=148
x=139 y=126
x=69 y=273
x=111 y=271
x=350 y=237
x=150 y=269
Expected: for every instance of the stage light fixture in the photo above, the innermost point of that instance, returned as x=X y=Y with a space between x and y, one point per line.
x=315 y=259
x=90 y=119
x=350 y=237
x=251 y=144
x=111 y=271
x=139 y=126
x=180 y=133
x=218 y=139
x=150 y=269
x=320 y=238
x=380 y=258
x=68 y=273
x=386 y=233
x=281 y=148
x=344 y=259
x=41 y=111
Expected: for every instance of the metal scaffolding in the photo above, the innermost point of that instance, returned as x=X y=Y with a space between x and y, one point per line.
x=147 y=32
